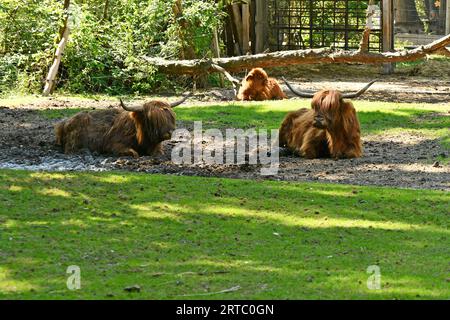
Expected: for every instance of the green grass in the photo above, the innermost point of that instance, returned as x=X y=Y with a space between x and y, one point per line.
x=184 y=237
x=432 y=120
x=181 y=237
x=375 y=117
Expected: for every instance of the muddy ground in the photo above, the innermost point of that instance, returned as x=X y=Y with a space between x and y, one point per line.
x=402 y=160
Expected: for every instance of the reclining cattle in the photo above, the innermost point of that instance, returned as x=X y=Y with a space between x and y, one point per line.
x=329 y=129
x=134 y=130
x=257 y=86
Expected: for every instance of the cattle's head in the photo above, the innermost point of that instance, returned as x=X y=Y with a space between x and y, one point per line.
x=326 y=105
x=329 y=105
x=257 y=75
x=155 y=120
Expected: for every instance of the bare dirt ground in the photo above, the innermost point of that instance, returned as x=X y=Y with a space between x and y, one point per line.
x=401 y=160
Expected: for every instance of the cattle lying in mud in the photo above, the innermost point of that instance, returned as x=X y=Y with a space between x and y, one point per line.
x=257 y=86
x=133 y=130
x=329 y=129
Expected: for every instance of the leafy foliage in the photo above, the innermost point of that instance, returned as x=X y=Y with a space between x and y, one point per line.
x=105 y=44
x=28 y=30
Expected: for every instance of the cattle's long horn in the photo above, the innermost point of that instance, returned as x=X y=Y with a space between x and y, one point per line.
x=132 y=108
x=358 y=93
x=303 y=94
x=177 y=103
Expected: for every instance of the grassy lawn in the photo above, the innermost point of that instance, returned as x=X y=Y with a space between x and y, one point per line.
x=189 y=237
x=375 y=117
x=431 y=120
x=184 y=237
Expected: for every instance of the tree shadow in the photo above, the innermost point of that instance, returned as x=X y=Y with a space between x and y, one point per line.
x=182 y=236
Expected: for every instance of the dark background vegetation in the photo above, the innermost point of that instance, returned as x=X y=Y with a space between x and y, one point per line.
x=108 y=38
x=105 y=44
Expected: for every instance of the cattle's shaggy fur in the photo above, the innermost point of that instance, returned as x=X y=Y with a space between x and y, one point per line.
x=330 y=128
x=258 y=86
x=118 y=132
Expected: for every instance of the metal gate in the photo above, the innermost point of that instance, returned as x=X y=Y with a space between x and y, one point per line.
x=302 y=24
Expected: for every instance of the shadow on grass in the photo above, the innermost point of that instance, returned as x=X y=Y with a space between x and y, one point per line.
x=184 y=236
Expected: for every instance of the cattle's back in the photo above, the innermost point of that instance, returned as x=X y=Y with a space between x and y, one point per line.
x=122 y=132
x=274 y=89
x=86 y=130
x=287 y=126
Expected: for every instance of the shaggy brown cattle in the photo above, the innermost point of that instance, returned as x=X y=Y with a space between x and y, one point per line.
x=258 y=86
x=134 y=131
x=329 y=128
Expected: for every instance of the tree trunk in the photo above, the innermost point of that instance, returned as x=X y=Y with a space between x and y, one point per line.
x=229 y=36
x=188 y=51
x=66 y=19
x=105 y=10
x=406 y=17
x=293 y=57
x=64 y=37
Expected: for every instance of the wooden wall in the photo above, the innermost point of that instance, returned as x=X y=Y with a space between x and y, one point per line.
x=246 y=27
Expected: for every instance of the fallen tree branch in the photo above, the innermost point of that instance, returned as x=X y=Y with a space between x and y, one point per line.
x=235 y=82
x=443 y=52
x=292 y=57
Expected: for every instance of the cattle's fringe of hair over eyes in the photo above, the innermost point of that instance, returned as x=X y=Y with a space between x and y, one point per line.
x=341 y=138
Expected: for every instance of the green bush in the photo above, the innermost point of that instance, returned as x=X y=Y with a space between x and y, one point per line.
x=103 y=53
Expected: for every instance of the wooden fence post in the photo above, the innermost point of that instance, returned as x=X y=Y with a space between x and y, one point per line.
x=259 y=26
x=245 y=28
x=447 y=18
x=237 y=19
x=388 y=32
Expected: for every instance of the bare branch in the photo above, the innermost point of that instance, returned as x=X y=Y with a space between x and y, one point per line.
x=235 y=82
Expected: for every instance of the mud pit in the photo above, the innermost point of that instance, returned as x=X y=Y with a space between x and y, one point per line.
x=404 y=160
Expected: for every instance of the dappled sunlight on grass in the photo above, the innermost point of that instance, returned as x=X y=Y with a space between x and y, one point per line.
x=74 y=223
x=404 y=286
x=10 y=223
x=156 y=211
x=319 y=222
x=9 y=285
x=100 y=219
x=15 y=188
x=37 y=223
x=114 y=178
x=49 y=177
x=53 y=192
x=375 y=117
x=181 y=236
